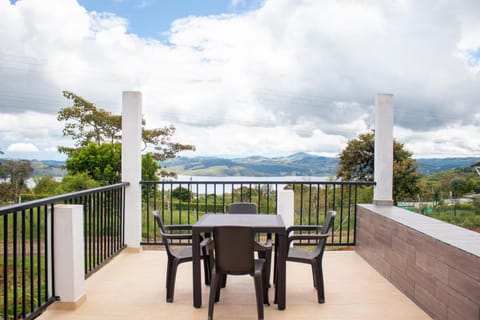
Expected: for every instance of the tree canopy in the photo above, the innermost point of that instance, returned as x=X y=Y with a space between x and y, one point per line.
x=17 y=172
x=97 y=139
x=357 y=163
x=85 y=123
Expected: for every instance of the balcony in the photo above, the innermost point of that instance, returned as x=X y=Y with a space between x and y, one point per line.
x=132 y=285
x=401 y=261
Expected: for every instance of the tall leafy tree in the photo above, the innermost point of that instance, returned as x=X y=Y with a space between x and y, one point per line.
x=17 y=172
x=100 y=161
x=86 y=123
x=357 y=163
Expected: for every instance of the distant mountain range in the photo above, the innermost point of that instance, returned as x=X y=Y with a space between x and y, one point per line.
x=298 y=164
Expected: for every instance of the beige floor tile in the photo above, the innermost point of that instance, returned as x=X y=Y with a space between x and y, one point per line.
x=132 y=286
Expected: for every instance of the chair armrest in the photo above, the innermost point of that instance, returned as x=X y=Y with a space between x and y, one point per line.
x=176 y=236
x=208 y=243
x=303 y=228
x=307 y=237
x=267 y=246
x=178 y=227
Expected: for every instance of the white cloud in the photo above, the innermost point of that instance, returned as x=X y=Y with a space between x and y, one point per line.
x=22 y=147
x=289 y=76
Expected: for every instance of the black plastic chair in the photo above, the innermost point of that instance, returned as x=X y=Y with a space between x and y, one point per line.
x=319 y=234
x=234 y=254
x=242 y=207
x=179 y=254
x=265 y=249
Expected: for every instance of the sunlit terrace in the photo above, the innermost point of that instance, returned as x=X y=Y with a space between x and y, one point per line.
x=89 y=252
x=132 y=285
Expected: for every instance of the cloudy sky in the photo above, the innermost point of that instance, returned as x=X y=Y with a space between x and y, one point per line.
x=246 y=77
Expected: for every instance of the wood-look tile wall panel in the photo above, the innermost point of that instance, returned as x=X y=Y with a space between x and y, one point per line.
x=442 y=279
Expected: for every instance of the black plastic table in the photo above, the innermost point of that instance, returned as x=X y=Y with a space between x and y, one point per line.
x=268 y=223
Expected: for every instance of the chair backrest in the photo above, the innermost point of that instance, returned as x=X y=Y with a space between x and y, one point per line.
x=158 y=219
x=328 y=223
x=161 y=226
x=234 y=253
x=326 y=228
x=242 y=207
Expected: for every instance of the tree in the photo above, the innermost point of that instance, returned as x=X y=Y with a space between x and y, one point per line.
x=357 y=163
x=45 y=185
x=76 y=182
x=100 y=162
x=85 y=123
x=149 y=167
x=17 y=172
x=181 y=193
x=458 y=186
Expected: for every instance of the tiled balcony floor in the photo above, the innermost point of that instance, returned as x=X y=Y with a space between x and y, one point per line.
x=132 y=286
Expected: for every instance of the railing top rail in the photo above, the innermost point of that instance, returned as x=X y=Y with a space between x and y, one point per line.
x=259 y=182
x=44 y=201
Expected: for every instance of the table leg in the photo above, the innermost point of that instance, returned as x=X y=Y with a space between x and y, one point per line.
x=197 y=281
x=280 y=287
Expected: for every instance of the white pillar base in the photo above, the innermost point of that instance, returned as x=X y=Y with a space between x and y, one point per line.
x=69 y=254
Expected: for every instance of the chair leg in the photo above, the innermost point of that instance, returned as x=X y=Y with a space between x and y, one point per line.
x=219 y=285
x=224 y=281
x=206 y=267
x=267 y=255
x=275 y=260
x=169 y=271
x=318 y=277
x=314 y=274
x=259 y=294
x=171 y=281
x=213 y=293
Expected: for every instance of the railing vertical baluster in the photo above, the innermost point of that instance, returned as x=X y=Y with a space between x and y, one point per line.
x=317 y=213
x=24 y=291
x=215 y=197
x=39 y=251
x=52 y=261
x=341 y=211
x=171 y=204
x=301 y=203
x=333 y=207
x=163 y=202
x=46 y=250
x=355 y=217
x=147 y=187
x=349 y=205
x=206 y=196
x=325 y=201
x=5 y=265
x=223 y=198
x=107 y=223
x=14 y=281
x=188 y=204
x=179 y=205
x=154 y=208
x=103 y=215
x=310 y=204
x=32 y=264
x=197 y=209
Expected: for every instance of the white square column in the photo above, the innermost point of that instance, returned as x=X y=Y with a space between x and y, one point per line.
x=383 y=163
x=132 y=166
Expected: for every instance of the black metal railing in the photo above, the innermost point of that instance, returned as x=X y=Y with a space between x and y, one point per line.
x=184 y=202
x=27 y=263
